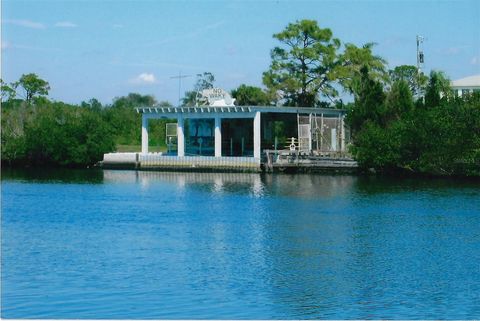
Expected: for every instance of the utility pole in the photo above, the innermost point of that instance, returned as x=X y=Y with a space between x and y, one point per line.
x=420 y=58
x=180 y=77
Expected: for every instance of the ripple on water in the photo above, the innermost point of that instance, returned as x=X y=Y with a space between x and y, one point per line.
x=146 y=245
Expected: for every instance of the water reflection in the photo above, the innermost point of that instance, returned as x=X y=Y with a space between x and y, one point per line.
x=305 y=186
x=310 y=186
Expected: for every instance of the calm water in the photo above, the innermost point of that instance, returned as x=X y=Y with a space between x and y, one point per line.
x=124 y=244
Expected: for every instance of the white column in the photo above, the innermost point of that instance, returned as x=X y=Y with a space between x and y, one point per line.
x=144 y=134
x=256 y=135
x=321 y=131
x=310 y=133
x=342 y=133
x=180 y=137
x=333 y=141
x=218 y=136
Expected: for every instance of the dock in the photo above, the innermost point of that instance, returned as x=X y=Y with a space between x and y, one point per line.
x=278 y=161
x=297 y=161
x=160 y=162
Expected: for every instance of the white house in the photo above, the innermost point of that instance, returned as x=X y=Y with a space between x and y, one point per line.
x=466 y=85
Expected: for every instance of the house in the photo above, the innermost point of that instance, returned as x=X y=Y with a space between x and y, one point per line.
x=463 y=86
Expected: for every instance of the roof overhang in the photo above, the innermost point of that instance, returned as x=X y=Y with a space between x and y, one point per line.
x=240 y=109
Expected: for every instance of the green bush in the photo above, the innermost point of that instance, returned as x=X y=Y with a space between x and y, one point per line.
x=53 y=133
x=438 y=137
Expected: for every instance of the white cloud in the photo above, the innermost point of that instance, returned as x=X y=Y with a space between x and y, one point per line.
x=117 y=26
x=475 y=61
x=144 y=79
x=25 y=23
x=65 y=24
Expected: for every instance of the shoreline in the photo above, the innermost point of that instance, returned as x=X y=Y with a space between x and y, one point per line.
x=44 y=170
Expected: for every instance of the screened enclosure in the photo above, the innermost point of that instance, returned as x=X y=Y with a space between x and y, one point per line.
x=237 y=137
x=200 y=136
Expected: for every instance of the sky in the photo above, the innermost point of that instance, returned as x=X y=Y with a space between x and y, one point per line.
x=107 y=49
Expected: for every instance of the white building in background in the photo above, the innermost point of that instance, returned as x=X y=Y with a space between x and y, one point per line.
x=466 y=85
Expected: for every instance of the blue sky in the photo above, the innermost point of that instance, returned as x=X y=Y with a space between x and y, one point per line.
x=106 y=49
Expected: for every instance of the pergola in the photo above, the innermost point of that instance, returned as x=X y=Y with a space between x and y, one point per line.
x=227 y=112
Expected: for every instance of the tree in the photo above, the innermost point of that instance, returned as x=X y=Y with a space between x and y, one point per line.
x=369 y=103
x=156 y=127
x=416 y=81
x=301 y=69
x=438 y=87
x=92 y=104
x=204 y=81
x=13 y=132
x=350 y=63
x=390 y=134
x=378 y=147
x=8 y=93
x=33 y=86
x=123 y=118
x=134 y=100
x=448 y=138
x=250 y=96
x=399 y=100
x=65 y=135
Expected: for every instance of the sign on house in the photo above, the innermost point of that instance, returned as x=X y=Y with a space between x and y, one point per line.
x=215 y=97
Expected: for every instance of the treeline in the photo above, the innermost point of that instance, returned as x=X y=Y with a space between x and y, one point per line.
x=436 y=134
x=39 y=132
x=401 y=120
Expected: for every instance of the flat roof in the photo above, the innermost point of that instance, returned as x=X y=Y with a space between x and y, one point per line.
x=239 y=109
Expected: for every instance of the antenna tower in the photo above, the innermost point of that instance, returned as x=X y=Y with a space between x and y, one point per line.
x=420 y=57
x=180 y=77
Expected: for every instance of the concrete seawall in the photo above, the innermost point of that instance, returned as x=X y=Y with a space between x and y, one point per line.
x=160 y=162
x=157 y=161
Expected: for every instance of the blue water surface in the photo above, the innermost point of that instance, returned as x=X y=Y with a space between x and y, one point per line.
x=143 y=245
